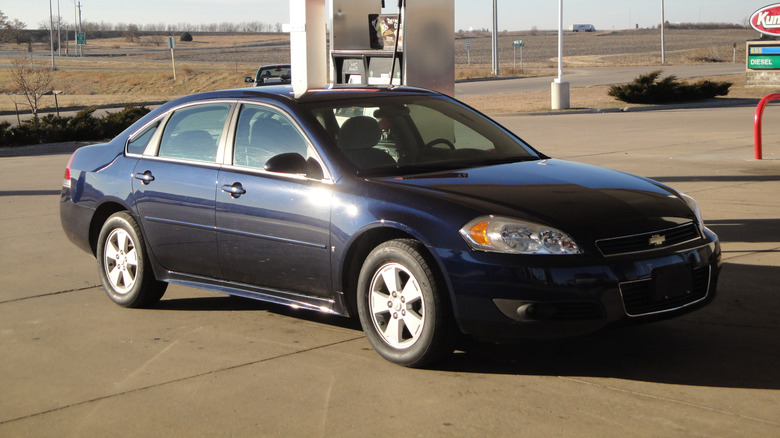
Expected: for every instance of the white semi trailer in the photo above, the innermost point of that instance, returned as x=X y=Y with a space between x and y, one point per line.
x=582 y=28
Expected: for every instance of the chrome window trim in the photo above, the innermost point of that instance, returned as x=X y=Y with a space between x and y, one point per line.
x=224 y=158
x=154 y=143
x=154 y=140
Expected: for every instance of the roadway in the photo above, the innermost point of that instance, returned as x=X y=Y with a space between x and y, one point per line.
x=578 y=77
x=200 y=364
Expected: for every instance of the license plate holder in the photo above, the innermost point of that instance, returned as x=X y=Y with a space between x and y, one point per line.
x=671 y=282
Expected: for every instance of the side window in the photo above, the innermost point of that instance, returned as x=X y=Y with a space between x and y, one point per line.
x=138 y=144
x=193 y=133
x=262 y=133
x=370 y=137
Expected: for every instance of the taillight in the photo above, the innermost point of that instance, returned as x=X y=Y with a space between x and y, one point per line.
x=66 y=178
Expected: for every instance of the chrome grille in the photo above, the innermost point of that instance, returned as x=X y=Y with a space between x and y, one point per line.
x=648 y=241
x=638 y=295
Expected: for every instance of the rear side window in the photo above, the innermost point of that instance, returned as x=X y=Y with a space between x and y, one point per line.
x=193 y=133
x=137 y=145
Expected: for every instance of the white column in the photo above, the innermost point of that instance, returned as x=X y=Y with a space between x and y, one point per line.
x=308 y=54
x=559 y=89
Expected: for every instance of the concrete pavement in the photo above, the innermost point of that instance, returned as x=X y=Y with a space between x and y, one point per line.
x=199 y=364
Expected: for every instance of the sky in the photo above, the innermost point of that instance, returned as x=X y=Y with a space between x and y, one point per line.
x=469 y=14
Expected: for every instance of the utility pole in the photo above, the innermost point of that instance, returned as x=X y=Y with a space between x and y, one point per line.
x=51 y=36
x=495 y=37
x=663 y=24
x=81 y=50
x=59 y=26
x=75 y=30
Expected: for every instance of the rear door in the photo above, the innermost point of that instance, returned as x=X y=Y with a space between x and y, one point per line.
x=174 y=189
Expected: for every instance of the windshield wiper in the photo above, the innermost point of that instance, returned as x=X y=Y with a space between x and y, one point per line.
x=444 y=166
x=505 y=160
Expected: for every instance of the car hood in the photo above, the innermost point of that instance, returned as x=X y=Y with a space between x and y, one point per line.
x=573 y=197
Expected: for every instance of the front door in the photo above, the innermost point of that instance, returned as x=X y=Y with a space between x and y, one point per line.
x=273 y=230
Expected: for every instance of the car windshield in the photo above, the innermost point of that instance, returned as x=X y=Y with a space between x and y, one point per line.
x=396 y=135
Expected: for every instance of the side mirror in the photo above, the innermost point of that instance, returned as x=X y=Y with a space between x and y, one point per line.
x=248 y=79
x=290 y=162
x=295 y=163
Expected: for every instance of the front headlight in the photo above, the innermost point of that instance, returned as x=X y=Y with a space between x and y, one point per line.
x=691 y=203
x=513 y=236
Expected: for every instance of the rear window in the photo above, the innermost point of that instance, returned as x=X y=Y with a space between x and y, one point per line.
x=193 y=133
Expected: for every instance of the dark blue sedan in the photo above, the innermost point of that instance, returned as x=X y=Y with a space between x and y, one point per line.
x=402 y=206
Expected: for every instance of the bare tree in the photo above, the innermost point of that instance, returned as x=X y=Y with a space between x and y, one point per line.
x=10 y=30
x=132 y=33
x=31 y=81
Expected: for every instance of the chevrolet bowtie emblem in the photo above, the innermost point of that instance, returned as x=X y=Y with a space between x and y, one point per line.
x=657 y=240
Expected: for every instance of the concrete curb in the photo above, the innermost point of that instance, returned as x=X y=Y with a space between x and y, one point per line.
x=117 y=106
x=711 y=103
x=42 y=149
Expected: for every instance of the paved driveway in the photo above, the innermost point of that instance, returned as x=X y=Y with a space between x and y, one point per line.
x=200 y=364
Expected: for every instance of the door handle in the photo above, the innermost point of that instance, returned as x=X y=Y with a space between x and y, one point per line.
x=145 y=177
x=235 y=190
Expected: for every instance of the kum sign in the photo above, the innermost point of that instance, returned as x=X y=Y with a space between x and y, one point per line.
x=767 y=20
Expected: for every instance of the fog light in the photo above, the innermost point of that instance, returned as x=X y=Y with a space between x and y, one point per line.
x=536 y=311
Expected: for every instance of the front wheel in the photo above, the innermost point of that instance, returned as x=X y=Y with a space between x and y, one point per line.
x=401 y=307
x=124 y=267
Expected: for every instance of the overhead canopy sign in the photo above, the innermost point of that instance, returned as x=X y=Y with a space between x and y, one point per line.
x=767 y=20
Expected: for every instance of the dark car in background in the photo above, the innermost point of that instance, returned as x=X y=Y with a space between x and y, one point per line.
x=271 y=75
x=420 y=216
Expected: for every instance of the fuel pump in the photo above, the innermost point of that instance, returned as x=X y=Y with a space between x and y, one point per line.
x=372 y=46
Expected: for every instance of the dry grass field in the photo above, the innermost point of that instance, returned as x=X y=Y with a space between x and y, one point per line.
x=117 y=71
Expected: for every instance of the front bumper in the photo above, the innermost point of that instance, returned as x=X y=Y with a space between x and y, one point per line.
x=502 y=297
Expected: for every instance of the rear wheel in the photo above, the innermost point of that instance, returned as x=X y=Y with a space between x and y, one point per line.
x=123 y=264
x=400 y=305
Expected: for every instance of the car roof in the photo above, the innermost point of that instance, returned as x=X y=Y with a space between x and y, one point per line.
x=286 y=93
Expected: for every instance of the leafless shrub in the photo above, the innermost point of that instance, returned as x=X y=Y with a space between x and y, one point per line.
x=158 y=40
x=31 y=81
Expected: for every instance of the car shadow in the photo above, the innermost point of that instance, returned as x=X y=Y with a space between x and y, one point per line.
x=716 y=178
x=746 y=230
x=734 y=342
x=229 y=303
x=731 y=343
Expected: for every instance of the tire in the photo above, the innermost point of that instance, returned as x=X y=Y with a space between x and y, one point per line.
x=401 y=305
x=123 y=264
